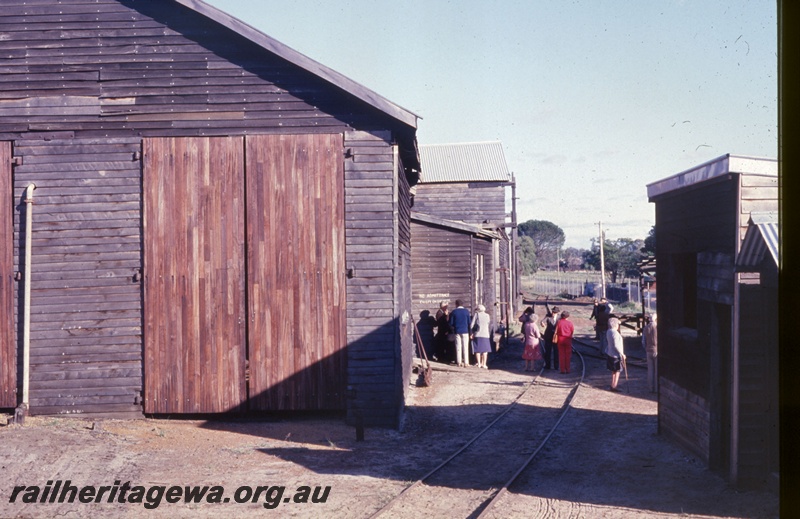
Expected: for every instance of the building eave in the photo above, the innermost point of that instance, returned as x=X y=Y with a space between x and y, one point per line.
x=716 y=168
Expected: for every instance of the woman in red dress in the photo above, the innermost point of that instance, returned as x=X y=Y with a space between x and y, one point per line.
x=563 y=339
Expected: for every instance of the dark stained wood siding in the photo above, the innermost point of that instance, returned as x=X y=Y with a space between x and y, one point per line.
x=702 y=219
x=684 y=417
x=471 y=202
x=98 y=77
x=108 y=67
x=194 y=295
x=758 y=385
x=442 y=267
x=695 y=228
x=86 y=349
x=402 y=278
x=373 y=329
x=8 y=351
x=296 y=272
x=699 y=229
x=445 y=268
x=758 y=349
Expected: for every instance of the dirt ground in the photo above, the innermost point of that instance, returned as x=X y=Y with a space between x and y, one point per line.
x=606 y=459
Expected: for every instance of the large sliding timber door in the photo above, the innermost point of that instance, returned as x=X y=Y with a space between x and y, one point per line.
x=194 y=279
x=296 y=271
x=8 y=346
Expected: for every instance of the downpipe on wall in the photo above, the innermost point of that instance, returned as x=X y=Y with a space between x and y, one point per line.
x=22 y=411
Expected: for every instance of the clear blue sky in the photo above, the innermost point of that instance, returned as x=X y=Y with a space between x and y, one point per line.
x=591 y=99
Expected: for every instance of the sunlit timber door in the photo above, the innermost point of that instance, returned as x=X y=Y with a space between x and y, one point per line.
x=296 y=271
x=194 y=279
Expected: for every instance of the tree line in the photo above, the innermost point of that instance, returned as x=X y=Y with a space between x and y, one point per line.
x=541 y=246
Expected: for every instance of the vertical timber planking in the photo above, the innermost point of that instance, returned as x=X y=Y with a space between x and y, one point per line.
x=296 y=269
x=194 y=303
x=8 y=350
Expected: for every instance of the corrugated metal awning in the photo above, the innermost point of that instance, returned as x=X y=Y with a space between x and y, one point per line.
x=465 y=162
x=762 y=237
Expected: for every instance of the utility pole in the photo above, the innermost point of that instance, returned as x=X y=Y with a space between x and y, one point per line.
x=602 y=261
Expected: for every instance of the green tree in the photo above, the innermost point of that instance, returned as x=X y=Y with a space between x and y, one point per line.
x=621 y=257
x=548 y=238
x=649 y=247
x=527 y=256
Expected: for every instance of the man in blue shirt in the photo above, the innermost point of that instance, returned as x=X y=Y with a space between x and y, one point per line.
x=459 y=323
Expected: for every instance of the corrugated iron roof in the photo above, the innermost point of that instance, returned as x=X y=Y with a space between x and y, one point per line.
x=762 y=235
x=464 y=162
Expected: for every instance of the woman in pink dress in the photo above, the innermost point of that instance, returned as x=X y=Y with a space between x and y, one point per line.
x=531 y=334
x=563 y=339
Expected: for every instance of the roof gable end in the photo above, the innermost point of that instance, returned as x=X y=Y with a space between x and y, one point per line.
x=335 y=78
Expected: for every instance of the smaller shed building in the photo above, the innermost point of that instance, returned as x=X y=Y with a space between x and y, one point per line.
x=460 y=247
x=717 y=345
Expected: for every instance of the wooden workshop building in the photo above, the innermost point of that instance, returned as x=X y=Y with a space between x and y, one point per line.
x=460 y=245
x=219 y=223
x=712 y=387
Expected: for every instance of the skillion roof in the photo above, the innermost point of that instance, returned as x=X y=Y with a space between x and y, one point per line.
x=762 y=237
x=714 y=168
x=464 y=162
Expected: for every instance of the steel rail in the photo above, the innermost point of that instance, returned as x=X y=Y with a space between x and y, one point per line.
x=509 y=407
x=567 y=405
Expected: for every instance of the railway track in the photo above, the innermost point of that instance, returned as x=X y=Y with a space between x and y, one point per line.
x=593 y=351
x=482 y=470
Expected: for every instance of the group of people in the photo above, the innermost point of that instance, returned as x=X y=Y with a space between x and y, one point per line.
x=549 y=341
x=459 y=331
x=556 y=339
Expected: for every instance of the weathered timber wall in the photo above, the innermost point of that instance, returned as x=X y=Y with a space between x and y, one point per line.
x=374 y=362
x=471 y=202
x=758 y=385
x=684 y=417
x=79 y=90
x=86 y=327
x=701 y=219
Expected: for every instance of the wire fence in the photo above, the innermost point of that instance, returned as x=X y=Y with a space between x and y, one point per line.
x=577 y=284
